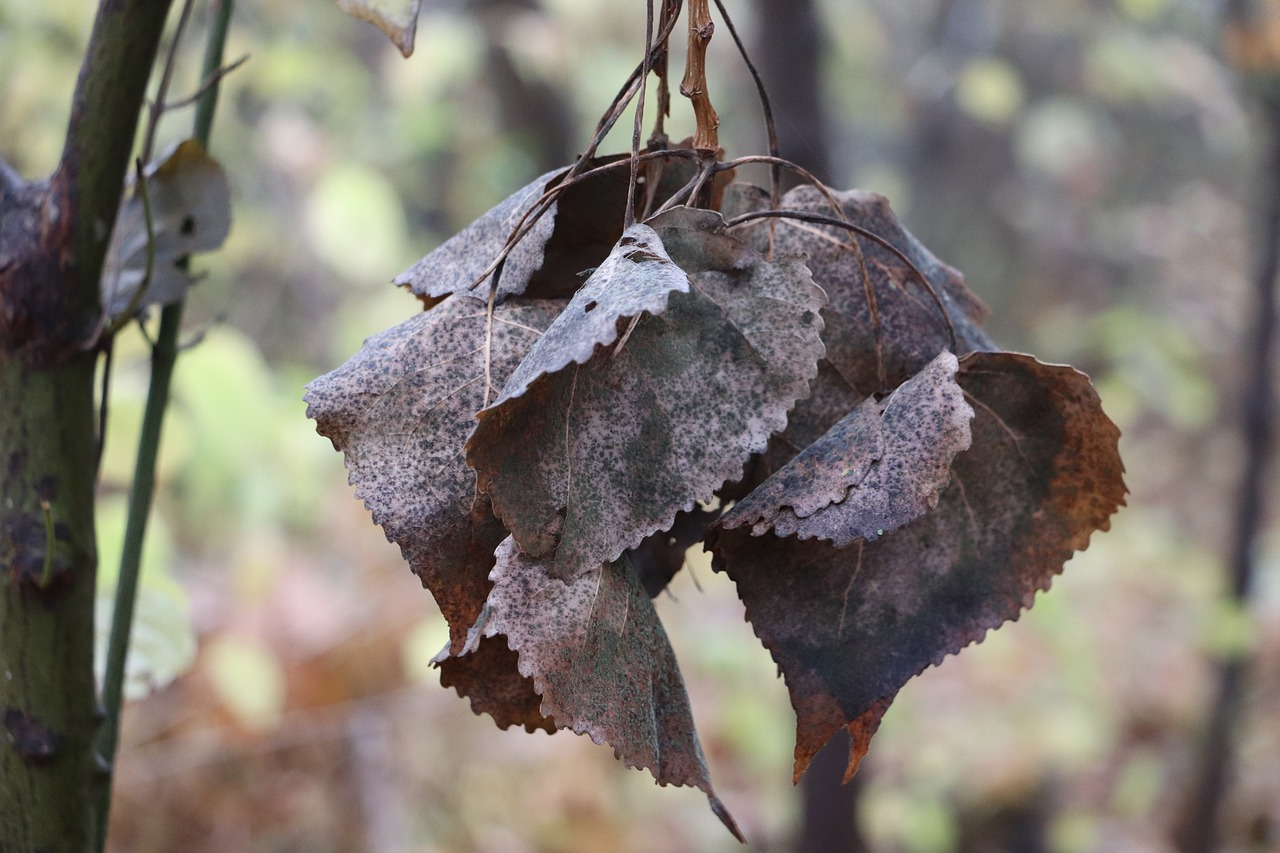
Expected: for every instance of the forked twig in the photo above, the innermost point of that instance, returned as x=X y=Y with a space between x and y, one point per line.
x=208 y=83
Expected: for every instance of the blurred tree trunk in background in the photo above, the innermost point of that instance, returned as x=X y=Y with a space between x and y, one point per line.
x=788 y=51
x=533 y=111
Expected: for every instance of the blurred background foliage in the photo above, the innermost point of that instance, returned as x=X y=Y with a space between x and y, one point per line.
x=1087 y=163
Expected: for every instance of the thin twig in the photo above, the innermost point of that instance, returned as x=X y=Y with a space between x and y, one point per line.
x=818 y=218
x=629 y=213
x=166 y=79
x=770 y=128
x=661 y=64
x=148 y=269
x=164 y=354
x=206 y=84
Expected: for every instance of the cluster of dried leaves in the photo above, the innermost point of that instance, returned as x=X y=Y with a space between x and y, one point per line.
x=544 y=444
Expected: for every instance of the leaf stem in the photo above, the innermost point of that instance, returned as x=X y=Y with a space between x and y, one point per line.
x=694 y=84
x=163 y=356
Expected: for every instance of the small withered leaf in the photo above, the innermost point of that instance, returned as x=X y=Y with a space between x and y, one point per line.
x=401 y=409
x=190 y=203
x=599 y=658
x=398 y=19
x=587 y=461
x=488 y=675
x=879 y=468
x=848 y=627
x=635 y=278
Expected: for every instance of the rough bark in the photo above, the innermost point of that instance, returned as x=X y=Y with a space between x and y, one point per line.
x=53 y=236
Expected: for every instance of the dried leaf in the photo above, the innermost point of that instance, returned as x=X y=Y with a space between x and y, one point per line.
x=601 y=661
x=912 y=327
x=848 y=627
x=488 y=674
x=881 y=467
x=190 y=213
x=401 y=410
x=583 y=463
x=572 y=237
x=636 y=277
x=398 y=19
x=660 y=556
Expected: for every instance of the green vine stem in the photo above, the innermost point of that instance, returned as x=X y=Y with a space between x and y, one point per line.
x=163 y=356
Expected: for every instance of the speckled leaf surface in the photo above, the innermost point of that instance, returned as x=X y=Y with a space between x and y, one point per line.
x=600 y=659
x=588 y=461
x=575 y=234
x=880 y=467
x=401 y=410
x=848 y=627
x=635 y=278
x=913 y=329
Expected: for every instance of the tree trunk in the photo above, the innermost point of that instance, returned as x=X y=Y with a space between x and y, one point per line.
x=53 y=236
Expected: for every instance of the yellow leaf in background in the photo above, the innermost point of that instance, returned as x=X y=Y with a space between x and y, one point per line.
x=990 y=90
x=248 y=679
x=397 y=18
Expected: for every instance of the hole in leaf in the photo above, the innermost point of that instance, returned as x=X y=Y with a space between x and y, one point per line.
x=188 y=226
x=589 y=307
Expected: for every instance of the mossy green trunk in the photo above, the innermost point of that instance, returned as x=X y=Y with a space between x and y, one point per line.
x=47 y=568
x=53 y=236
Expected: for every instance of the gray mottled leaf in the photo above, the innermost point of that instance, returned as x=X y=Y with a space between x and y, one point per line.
x=880 y=467
x=590 y=460
x=190 y=212
x=600 y=659
x=401 y=410
x=637 y=277
x=573 y=236
x=912 y=326
x=398 y=19
x=848 y=627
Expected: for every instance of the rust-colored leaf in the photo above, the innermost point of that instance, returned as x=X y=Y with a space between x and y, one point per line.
x=488 y=675
x=584 y=462
x=401 y=410
x=600 y=660
x=879 y=468
x=848 y=627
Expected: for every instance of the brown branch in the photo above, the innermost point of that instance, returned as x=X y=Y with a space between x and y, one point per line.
x=694 y=84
